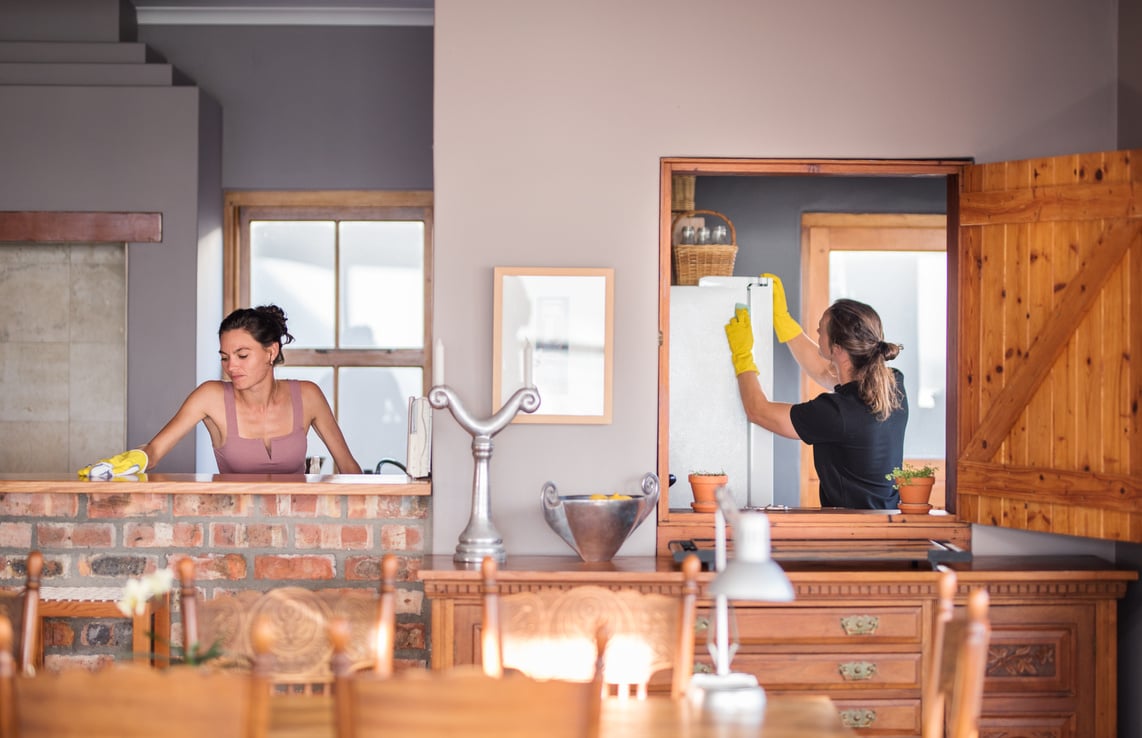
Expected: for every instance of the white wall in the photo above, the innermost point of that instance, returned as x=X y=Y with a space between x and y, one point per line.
x=551 y=118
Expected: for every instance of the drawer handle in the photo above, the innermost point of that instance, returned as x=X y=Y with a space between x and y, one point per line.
x=701 y=624
x=700 y=668
x=857 y=671
x=859 y=625
x=861 y=718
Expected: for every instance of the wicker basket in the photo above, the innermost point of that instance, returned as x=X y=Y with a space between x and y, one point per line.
x=694 y=261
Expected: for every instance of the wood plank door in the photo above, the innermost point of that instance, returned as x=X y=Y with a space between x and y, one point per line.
x=1049 y=339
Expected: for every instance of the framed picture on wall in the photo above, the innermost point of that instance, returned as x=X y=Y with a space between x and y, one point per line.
x=553 y=327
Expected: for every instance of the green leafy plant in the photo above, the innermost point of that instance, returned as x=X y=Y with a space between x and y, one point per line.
x=905 y=474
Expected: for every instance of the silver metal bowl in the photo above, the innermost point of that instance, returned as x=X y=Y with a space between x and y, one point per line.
x=596 y=528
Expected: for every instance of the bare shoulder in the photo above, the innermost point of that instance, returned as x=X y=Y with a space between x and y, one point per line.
x=209 y=391
x=311 y=393
x=208 y=395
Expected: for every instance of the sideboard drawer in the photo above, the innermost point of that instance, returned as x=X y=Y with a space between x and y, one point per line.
x=830 y=671
x=824 y=625
x=880 y=717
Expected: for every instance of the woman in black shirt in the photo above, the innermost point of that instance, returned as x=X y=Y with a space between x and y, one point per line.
x=857 y=430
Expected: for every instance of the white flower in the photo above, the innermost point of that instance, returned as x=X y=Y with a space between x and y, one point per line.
x=138 y=592
x=159 y=582
x=134 y=600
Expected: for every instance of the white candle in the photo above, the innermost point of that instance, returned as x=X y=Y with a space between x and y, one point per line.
x=527 y=362
x=437 y=363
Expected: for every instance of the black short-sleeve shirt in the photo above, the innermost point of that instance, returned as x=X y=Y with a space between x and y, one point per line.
x=852 y=450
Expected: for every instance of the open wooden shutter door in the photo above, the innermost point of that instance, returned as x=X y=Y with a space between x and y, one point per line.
x=1049 y=371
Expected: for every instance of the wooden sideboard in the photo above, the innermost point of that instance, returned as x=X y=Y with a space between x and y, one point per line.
x=856 y=632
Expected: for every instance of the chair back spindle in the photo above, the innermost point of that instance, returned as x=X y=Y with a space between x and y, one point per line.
x=550 y=633
x=22 y=608
x=956 y=663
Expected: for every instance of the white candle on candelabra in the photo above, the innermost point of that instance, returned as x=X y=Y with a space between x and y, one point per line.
x=437 y=363
x=527 y=362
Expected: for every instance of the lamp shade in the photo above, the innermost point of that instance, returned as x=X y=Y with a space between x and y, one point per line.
x=752 y=574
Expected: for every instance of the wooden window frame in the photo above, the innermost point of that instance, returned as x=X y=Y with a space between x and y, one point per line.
x=823 y=233
x=681 y=524
x=240 y=207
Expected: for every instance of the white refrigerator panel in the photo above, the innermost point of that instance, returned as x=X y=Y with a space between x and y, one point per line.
x=708 y=427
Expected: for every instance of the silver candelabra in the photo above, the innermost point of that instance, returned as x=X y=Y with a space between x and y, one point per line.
x=480 y=538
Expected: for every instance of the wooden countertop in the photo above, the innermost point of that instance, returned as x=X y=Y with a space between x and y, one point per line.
x=222 y=484
x=439 y=568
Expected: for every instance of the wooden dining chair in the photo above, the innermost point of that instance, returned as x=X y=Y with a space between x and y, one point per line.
x=136 y=701
x=300 y=619
x=21 y=606
x=957 y=663
x=463 y=701
x=550 y=633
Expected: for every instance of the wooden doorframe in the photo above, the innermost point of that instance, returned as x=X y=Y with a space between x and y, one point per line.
x=671 y=523
x=824 y=233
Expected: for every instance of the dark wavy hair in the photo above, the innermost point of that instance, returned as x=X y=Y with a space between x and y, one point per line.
x=856 y=328
x=266 y=323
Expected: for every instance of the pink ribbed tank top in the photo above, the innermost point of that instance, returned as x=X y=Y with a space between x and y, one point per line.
x=248 y=455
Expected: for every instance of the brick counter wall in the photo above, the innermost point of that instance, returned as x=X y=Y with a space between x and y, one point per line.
x=239 y=541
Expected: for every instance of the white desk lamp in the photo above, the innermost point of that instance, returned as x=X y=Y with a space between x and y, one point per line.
x=752 y=575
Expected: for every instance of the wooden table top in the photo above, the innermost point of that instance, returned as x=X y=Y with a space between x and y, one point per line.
x=786 y=716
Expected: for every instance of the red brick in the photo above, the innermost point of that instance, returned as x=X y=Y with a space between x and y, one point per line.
x=387 y=507
x=75 y=535
x=340 y=537
x=409 y=636
x=16 y=535
x=294 y=567
x=248 y=535
x=57 y=633
x=162 y=535
x=224 y=535
x=365 y=568
x=215 y=566
x=401 y=538
x=308 y=506
x=211 y=505
x=37 y=505
x=126 y=505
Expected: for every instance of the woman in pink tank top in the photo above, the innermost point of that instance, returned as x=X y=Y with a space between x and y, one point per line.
x=257 y=424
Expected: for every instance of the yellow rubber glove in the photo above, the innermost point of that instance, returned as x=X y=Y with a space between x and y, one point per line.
x=128 y=462
x=739 y=332
x=784 y=325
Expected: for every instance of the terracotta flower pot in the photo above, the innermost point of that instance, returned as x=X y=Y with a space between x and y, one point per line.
x=915 y=493
x=704 y=486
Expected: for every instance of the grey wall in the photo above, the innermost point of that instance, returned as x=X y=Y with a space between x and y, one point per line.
x=556 y=115
x=322 y=107
x=119 y=145
x=1129 y=75
x=766 y=211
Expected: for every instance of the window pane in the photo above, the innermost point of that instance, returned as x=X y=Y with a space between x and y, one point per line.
x=291 y=265
x=909 y=291
x=374 y=411
x=382 y=283
x=322 y=376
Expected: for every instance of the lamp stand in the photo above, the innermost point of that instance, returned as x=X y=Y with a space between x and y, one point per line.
x=724 y=692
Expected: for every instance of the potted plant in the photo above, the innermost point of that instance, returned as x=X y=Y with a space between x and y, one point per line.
x=914 y=483
x=704 y=484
